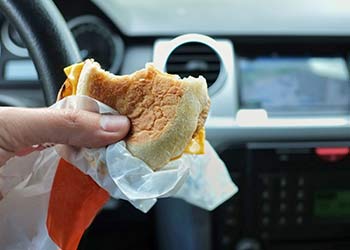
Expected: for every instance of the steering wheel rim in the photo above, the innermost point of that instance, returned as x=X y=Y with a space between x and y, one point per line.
x=49 y=41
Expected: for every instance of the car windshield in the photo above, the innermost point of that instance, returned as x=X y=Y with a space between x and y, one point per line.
x=222 y=16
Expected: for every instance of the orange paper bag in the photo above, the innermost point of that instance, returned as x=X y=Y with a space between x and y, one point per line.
x=74 y=202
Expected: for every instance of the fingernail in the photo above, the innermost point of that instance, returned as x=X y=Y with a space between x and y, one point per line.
x=113 y=123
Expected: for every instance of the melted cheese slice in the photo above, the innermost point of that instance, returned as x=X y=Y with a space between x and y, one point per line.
x=196 y=145
x=73 y=73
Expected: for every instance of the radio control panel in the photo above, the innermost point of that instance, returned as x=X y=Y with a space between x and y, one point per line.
x=285 y=195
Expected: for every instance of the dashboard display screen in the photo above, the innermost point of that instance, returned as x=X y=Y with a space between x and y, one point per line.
x=332 y=204
x=311 y=85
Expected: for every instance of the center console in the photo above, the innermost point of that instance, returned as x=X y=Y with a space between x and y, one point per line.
x=292 y=196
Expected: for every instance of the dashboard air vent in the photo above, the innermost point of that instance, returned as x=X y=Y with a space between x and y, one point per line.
x=194 y=59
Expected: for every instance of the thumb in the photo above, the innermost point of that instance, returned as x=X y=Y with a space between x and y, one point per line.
x=23 y=127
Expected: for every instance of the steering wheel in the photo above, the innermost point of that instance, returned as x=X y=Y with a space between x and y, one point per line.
x=47 y=37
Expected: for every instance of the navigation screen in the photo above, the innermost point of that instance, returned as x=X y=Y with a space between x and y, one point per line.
x=295 y=85
x=332 y=204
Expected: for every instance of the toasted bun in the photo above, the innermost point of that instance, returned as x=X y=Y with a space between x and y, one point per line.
x=165 y=111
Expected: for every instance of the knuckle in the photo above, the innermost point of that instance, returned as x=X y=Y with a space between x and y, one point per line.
x=71 y=120
x=71 y=117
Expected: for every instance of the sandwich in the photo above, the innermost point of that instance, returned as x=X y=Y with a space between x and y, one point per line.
x=167 y=113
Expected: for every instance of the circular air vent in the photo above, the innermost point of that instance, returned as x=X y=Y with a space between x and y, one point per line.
x=195 y=59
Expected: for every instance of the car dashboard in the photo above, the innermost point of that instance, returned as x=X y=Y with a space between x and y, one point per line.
x=279 y=80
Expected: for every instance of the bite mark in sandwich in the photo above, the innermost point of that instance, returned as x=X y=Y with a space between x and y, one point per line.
x=167 y=113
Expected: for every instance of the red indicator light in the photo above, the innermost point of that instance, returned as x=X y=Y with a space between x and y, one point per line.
x=332 y=154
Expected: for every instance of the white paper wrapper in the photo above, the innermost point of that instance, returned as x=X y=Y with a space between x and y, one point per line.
x=25 y=182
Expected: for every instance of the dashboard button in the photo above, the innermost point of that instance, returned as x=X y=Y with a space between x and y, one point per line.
x=283 y=182
x=265 y=208
x=301 y=181
x=264 y=235
x=266 y=195
x=230 y=222
x=265 y=181
x=299 y=220
x=230 y=209
x=248 y=244
x=283 y=194
x=282 y=221
x=265 y=221
x=300 y=194
x=225 y=240
x=283 y=207
x=300 y=207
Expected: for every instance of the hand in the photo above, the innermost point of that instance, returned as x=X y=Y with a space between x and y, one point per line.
x=20 y=128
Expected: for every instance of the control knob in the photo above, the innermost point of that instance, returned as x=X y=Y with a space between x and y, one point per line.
x=248 y=244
